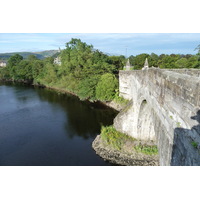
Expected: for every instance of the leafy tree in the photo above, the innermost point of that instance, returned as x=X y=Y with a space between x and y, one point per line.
x=75 y=55
x=169 y=61
x=14 y=60
x=87 y=72
x=32 y=58
x=154 y=60
x=87 y=88
x=139 y=60
x=24 y=71
x=48 y=75
x=37 y=68
x=182 y=63
x=117 y=62
x=5 y=73
x=105 y=89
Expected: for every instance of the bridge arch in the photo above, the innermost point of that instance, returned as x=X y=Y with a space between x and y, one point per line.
x=145 y=125
x=164 y=100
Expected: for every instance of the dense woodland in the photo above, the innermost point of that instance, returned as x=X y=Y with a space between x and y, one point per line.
x=86 y=72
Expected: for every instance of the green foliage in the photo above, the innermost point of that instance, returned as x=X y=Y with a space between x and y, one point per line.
x=37 y=68
x=5 y=73
x=113 y=137
x=32 y=58
x=149 y=150
x=87 y=72
x=138 y=61
x=197 y=65
x=117 y=140
x=24 y=71
x=14 y=60
x=119 y=99
x=47 y=75
x=165 y=61
x=181 y=63
x=105 y=89
x=194 y=144
x=117 y=62
x=87 y=88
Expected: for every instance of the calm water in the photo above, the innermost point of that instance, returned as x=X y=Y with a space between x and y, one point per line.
x=40 y=127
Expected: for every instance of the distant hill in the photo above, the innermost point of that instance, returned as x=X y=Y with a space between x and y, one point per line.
x=40 y=55
x=47 y=53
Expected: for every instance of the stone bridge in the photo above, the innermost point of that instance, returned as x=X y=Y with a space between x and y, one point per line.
x=164 y=108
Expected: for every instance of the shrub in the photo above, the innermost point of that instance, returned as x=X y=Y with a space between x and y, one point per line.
x=119 y=99
x=87 y=87
x=105 y=89
x=113 y=137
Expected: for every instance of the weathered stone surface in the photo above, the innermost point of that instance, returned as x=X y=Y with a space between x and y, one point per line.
x=162 y=105
x=122 y=157
x=114 y=105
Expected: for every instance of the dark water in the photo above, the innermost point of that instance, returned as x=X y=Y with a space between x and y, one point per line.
x=40 y=127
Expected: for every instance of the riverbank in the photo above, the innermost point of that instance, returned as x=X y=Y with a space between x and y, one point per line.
x=127 y=156
x=111 y=104
x=114 y=105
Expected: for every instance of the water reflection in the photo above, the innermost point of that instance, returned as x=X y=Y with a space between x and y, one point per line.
x=40 y=127
x=84 y=118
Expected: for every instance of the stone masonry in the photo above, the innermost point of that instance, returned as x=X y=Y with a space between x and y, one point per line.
x=165 y=108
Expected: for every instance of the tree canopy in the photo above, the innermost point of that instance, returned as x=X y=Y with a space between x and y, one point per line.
x=88 y=72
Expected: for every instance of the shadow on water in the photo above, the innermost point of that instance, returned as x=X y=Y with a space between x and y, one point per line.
x=84 y=117
x=186 y=147
x=42 y=127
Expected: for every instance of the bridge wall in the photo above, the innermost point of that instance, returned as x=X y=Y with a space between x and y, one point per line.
x=162 y=104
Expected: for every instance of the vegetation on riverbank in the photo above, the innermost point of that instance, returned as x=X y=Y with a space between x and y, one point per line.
x=85 y=71
x=113 y=137
x=120 y=141
x=88 y=73
x=148 y=150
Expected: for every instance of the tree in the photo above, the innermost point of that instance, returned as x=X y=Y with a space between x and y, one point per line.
x=105 y=89
x=138 y=61
x=198 y=57
x=169 y=61
x=154 y=60
x=32 y=58
x=118 y=63
x=14 y=60
x=87 y=88
x=181 y=63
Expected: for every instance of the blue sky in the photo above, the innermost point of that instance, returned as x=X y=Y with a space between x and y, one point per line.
x=113 y=43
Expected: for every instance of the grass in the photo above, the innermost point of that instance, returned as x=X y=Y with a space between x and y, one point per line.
x=113 y=137
x=119 y=99
x=117 y=140
x=149 y=150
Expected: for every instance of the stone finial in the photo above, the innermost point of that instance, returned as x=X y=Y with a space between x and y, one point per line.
x=128 y=65
x=146 y=65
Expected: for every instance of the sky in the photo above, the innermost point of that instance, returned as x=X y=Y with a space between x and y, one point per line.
x=112 y=43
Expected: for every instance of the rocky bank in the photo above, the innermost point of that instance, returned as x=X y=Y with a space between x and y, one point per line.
x=123 y=157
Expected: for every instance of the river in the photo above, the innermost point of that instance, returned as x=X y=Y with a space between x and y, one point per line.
x=42 y=127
